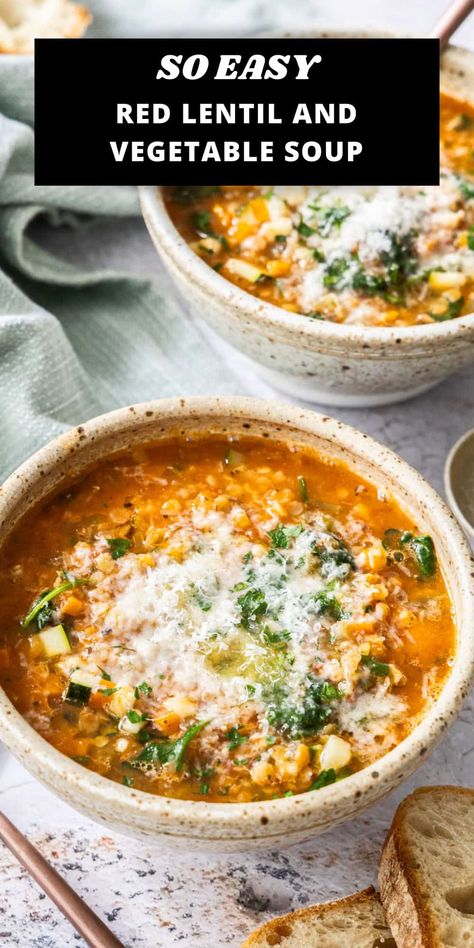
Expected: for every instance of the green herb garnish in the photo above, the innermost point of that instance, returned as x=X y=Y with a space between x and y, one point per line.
x=329 y=217
x=379 y=669
x=252 y=605
x=276 y=636
x=335 y=274
x=303 y=489
x=306 y=716
x=466 y=187
x=41 y=611
x=326 y=603
x=144 y=689
x=304 y=229
x=235 y=738
x=202 y=222
x=325 y=778
x=118 y=546
x=282 y=535
x=335 y=558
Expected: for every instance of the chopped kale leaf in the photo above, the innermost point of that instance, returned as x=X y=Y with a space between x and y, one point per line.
x=402 y=545
x=162 y=752
x=42 y=610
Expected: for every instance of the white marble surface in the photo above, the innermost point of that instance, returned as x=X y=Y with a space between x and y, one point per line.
x=152 y=898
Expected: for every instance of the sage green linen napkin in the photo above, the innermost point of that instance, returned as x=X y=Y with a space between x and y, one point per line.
x=74 y=343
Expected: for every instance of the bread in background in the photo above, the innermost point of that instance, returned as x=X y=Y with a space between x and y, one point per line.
x=356 y=921
x=22 y=21
x=427 y=869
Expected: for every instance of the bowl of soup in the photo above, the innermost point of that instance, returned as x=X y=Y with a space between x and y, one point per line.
x=340 y=295
x=227 y=623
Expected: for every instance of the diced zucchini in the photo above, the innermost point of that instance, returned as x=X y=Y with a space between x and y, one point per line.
x=77 y=694
x=233 y=458
x=80 y=676
x=241 y=268
x=281 y=227
x=210 y=245
x=54 y=640
x=130 y=727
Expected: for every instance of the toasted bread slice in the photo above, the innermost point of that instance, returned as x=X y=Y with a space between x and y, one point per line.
x=357 y=921
x=21 y=21
x=427 y=870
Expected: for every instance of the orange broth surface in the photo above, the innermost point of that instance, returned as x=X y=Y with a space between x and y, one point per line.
x=369 y=256
x=237 y=623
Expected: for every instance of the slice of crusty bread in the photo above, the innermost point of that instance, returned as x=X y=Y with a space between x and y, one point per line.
x=355 y=922
x=427 y=870
x=21 y=21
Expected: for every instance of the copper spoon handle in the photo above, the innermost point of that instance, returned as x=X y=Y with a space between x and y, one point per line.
x=450 y=20
x=84 y=920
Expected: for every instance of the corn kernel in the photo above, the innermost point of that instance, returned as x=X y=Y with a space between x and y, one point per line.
x=147 y=559
x=222 y=502
x=153 y=537
x=105 y=563
x=171 y=506
x=176 y=552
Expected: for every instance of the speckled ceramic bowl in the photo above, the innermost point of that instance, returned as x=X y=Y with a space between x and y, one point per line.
x=233 y=827
x=321 y=361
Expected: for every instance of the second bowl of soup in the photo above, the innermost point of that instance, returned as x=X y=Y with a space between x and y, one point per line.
x=352 y=296
x=241 y=634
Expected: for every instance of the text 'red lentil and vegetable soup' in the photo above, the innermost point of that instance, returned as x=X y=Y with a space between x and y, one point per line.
x=371 y=256
x=223 y=620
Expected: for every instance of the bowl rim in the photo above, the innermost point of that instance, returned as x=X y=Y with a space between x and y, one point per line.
x=241 y=821
x=229 y=294
x=467 y=526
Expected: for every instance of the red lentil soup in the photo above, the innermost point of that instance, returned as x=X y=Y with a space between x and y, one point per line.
x=370 y=256
x=224 y=620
